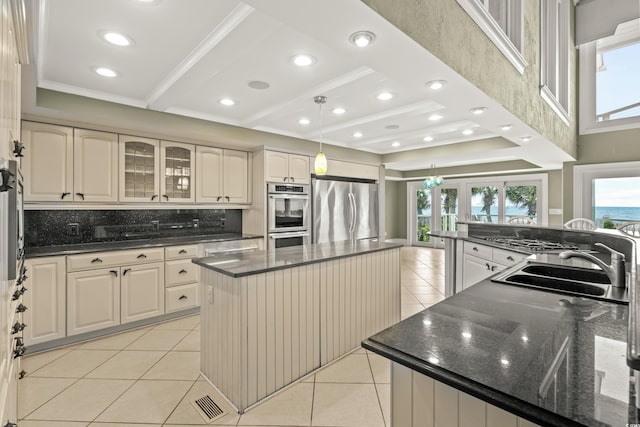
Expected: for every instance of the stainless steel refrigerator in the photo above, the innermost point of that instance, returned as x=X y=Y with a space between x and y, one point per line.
x=344 y=209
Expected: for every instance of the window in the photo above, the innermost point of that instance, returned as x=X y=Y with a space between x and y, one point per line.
x=502 y=21
x=609 y=86
x=554 y=65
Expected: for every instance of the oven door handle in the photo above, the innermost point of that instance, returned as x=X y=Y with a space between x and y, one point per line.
x=289 y=196
x=276 y=236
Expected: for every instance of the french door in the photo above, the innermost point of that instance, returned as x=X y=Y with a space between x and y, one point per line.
x=434 y=209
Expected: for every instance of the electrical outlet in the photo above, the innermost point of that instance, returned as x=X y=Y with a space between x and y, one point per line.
x=73 y=229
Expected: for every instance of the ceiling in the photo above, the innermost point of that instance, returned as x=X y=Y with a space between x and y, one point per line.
x=184 y=60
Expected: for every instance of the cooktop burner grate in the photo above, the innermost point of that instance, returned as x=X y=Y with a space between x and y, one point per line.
x=532 y=244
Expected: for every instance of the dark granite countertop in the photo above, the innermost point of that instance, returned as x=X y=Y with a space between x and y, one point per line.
x=499 y=343
x=55 y=250
x=248 y=263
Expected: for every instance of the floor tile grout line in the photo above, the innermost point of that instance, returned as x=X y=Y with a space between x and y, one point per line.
x=52 y=397
x=179 y=402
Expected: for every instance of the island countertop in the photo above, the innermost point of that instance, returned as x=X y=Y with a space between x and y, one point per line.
x=502 y=343
x=249 y=263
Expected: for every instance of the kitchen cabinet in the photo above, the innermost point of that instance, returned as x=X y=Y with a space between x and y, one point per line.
x=177 y=160
x=481 y=262
x=45 y=300
x=47 y=164
x=221 y=176
x=141 y=292
x=182 y=278
x=93 y=300
x=139 y=169
x=284 y=167
x=62 y=164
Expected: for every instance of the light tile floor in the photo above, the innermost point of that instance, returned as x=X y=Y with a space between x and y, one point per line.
x=149 y=377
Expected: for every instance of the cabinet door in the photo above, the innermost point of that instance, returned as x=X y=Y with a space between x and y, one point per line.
x=209 y=175
x=277 y=166
x=475 y=269
x=45 y=300
x=47 y=164
x=142 y=292
x=95 y=166
x=139 y=166
x=93 y=300
x=236 y=176
x=176 y=172
x=299 y=169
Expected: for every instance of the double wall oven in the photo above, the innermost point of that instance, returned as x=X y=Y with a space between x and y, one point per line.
x=288 y=215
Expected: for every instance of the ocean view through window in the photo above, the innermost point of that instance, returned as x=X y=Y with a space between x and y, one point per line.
x=615 y=201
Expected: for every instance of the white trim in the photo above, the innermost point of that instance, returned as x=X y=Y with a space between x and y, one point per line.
x=552 y=101
x=490 y=27
x=583 y=175
x=35 y=206
x=89 y=93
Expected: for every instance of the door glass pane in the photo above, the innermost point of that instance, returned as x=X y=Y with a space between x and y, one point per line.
x=615 y=201
x=521 y=202
x=177 y=172
x=449 y=209
x=139 y=172
x=484 y=203
x=423 y=215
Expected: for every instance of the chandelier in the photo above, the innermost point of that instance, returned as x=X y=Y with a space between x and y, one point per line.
x=432 y=180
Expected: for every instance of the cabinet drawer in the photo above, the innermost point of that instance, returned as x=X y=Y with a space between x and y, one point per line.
x=475 y=249
x=507 y=257
x=181 y=252
x=180 y=271
x=114 y=258
x=181 y=297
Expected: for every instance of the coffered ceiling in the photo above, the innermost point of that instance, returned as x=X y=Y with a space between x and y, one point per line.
x=187 y=56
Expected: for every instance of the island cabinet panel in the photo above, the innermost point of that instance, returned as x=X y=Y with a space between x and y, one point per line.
x=420 y=401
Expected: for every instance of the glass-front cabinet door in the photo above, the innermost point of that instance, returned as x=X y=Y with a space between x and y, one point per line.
x=139 y=164
x=176 y=172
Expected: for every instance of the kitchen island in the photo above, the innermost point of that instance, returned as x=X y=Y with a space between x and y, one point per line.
x=270 y=317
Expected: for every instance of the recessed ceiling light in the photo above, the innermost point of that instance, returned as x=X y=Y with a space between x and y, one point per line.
x=435 y=117
x=392 y=127
x=362 y=38
x=304 y=121
x=427 y=322
x=525 y=338
x=106 y=72
x=116 y=39
x=303 y=60
x=506 y=127
x=384 y=96
x=357 y=134
x=339 y=110
x=466 y=335
x=395 y=144
x=258 y=84
x=436 y=84
x=525 y=139
x=505 y=362
x=433 y=360
x=227 y=101
x=478 y=110
x=467 y=132
x=427 y=139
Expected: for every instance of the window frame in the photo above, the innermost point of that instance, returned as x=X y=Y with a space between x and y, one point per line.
x=555 y=78
x=511 y=46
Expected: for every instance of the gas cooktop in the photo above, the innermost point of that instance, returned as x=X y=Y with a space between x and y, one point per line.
x=535 y=245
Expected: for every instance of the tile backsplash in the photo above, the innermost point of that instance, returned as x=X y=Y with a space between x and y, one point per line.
x=64 y=227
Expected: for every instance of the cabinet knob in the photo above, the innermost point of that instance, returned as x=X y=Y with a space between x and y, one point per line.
x=183 y=297
x=182 y=251
x=64 y=195
x=183 y=271
x=126 y=270
x=81 y=195
x=114 y=272
x=93 y=261
x=141 y=256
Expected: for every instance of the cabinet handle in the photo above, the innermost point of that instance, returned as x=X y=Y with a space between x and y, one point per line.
x=218 y=199
x=228 y=198
x=493 y=267
x=124 y=273
x=21 y=375
x=114 y=272
x=21 y=308
x=141 y=256
x=155 y=196
x=19 y=350
x=510 y=258
x=64 y=195
x=183 y=297
x=81 y=195
x=10 y=424
x=166 y=197
x=487 y=265
x=93 y=261
x=17 y=327
x=285 y=179
x=292 y=179
x=17 y=148
x=182 y=251
x=475 y=249
x=16 y=296
x=183 y=271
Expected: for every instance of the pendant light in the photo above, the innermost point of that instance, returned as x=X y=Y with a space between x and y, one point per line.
x=320 y=165
x=432 y=180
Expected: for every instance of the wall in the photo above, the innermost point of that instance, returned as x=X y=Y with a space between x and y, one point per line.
x=446 y=31
x=396 y=209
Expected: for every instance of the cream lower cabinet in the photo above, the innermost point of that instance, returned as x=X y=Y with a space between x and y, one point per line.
x=481 y=262
x=141 y=292
x=181 y=278
x=45 y=300
x=93 y=300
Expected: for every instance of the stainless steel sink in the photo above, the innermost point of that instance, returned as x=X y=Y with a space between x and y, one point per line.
x=563 y=279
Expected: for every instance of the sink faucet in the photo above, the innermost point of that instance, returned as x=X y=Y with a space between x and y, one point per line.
x=616 y=271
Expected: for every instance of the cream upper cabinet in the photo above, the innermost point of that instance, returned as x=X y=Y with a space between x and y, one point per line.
x=290 y=168
x=93 y=300
x=47 y=164
x=139 y=169
x=141 y=292
x=177 y=162
x=95 y=166
x=221 y=175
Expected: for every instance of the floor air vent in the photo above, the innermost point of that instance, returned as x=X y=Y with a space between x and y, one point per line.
x=208 y=409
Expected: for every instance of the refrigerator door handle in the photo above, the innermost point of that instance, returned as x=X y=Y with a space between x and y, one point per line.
x=352 y=202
